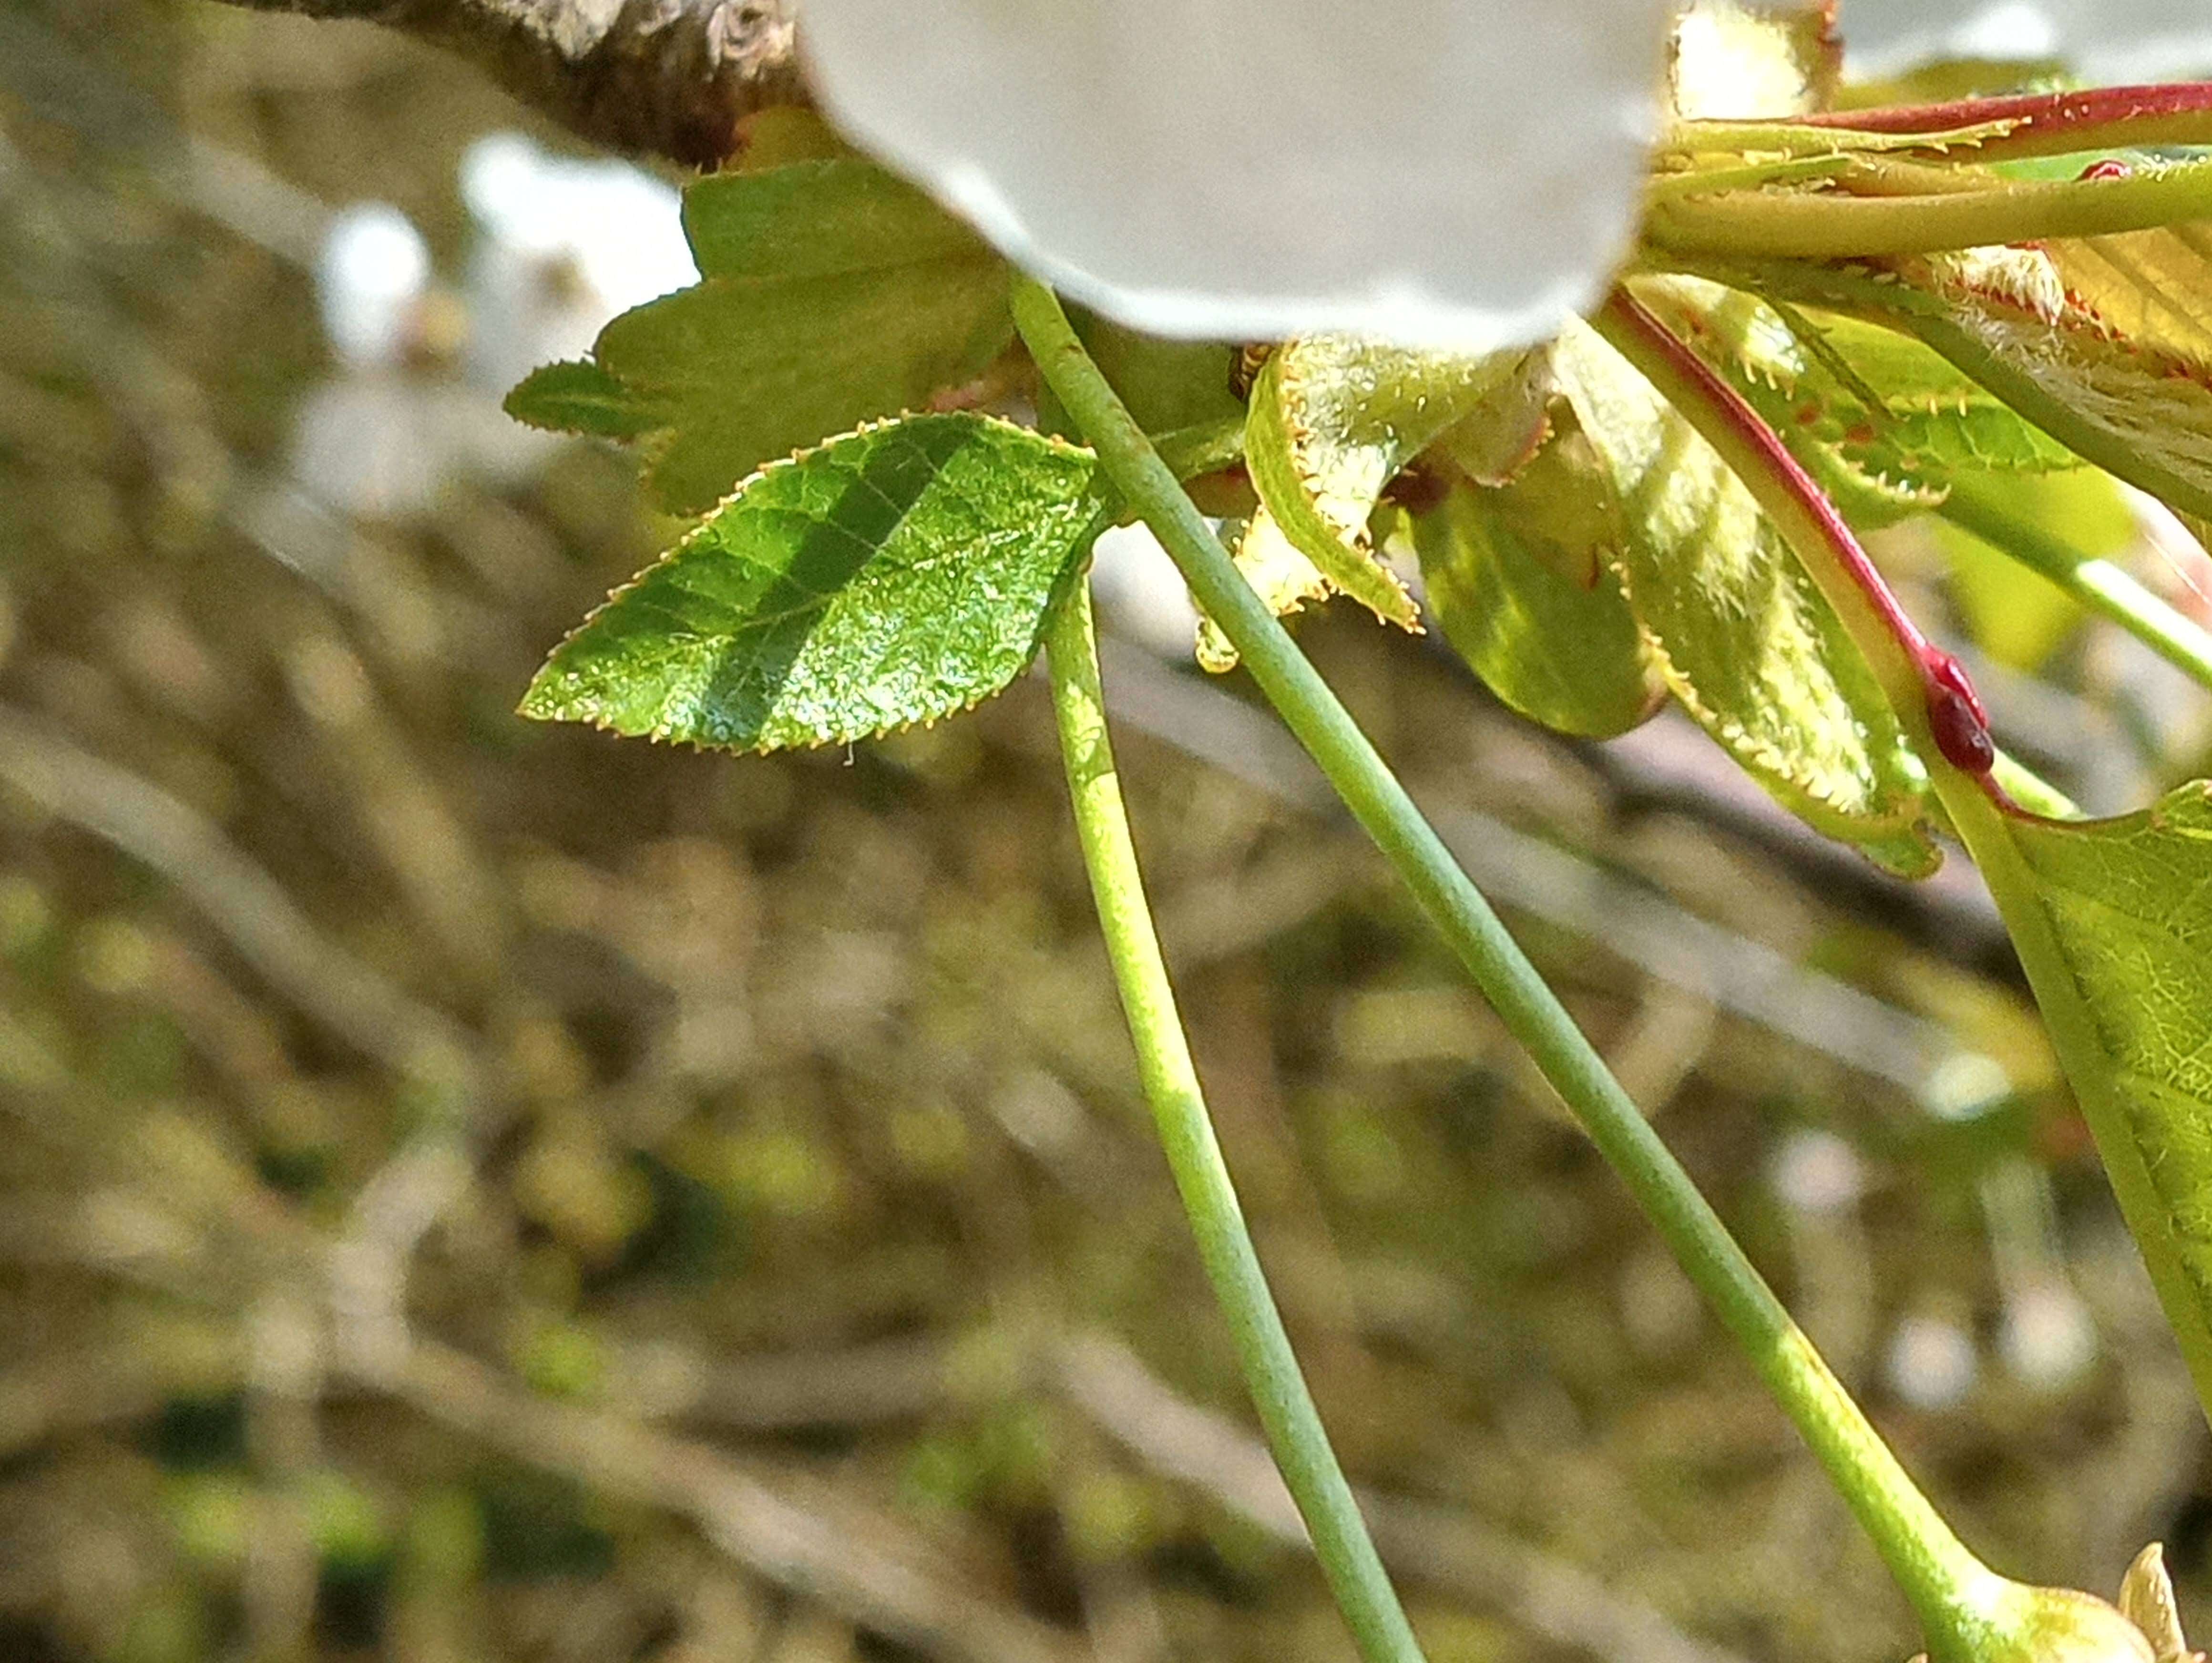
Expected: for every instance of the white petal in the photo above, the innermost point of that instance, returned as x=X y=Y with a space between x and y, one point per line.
x=2103 y=41
x=1449 y=173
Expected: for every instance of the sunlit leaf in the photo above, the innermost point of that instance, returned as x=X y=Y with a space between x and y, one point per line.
x=1332 y=420
x=2129 y=904
x=831 y=293
x=1558 y=644
x=2003 y=317
x=1497 y=438
x=1882 y=421
x=895 y=575
x=1737 y=629
x=2153 y=287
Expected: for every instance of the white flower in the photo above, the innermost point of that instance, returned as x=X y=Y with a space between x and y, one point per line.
x=1454 y=173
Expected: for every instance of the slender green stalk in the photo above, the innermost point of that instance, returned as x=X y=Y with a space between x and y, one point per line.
x=1960 y=1602
x=1828 y=225
x=1293 y=1426
x=2098 y=585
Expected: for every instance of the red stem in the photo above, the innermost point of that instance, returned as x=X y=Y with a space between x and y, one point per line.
x=1956 y=719
x=2053 y=123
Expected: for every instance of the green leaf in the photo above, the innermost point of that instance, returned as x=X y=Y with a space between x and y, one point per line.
x=832 y=293
x=577 y=396
x=1501 y=434
x=2152 y=288
x=2124 y=978
x=1166 y=384
x=1737 y=629
x=2003 y=317
x=2134 y=411
x=1332 y=419
x=1560 y=647
x=1880 y=421
x=895 y=575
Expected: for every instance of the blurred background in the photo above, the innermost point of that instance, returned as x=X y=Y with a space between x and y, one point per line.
x=473 y=1191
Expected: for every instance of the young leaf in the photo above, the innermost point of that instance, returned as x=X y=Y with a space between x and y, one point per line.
x=2113 y=919
x=1880 y=421
x=1559 y=645
x=2151 y=288
x=577 y=396
x=831 y=293
x=2003 y=317
x=1738 y=631
x=895 y=575
x=1332 y=420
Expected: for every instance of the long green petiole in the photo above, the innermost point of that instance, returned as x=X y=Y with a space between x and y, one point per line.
x=2098 y=585
x=1962 y=1605
x=1292 y=1425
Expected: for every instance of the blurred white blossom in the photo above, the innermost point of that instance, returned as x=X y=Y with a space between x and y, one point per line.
x=560 y=247
x=1459 y=173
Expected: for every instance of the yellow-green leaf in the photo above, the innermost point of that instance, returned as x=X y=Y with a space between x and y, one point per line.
x=1558 y=644
x=1332 y=420
x=830 y=294
x=2113 y=920
x=1738 y=632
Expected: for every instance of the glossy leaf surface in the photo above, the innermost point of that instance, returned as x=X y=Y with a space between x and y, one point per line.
x=1557 y=643
x=895 y=575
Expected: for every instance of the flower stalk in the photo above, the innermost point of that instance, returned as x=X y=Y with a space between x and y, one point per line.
x=1292 y=1424
x=1964 y=1607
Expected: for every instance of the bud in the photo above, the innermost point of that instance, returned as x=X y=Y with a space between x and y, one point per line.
x=2064 y=1626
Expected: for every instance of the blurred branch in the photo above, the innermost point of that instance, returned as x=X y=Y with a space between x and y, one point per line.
x=1439 y=1545
x=670 y=77
x=860 y=1564
x=241 y=899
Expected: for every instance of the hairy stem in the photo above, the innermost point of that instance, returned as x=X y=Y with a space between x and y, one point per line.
x=2051 y=123
x=1295 y=1436
x=1956 y=1598
x=1826 y=225
x=2098 y=585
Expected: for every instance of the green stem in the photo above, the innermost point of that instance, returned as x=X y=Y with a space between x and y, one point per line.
x=1828 y=225
x=2098 y=585
x=1958 y=1600
x=1293 y=1426
x=2031 y=791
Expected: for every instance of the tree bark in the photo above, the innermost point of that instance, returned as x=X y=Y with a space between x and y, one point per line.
x=666 y=77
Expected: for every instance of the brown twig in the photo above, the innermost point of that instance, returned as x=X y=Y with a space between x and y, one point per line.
x=665 y=77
